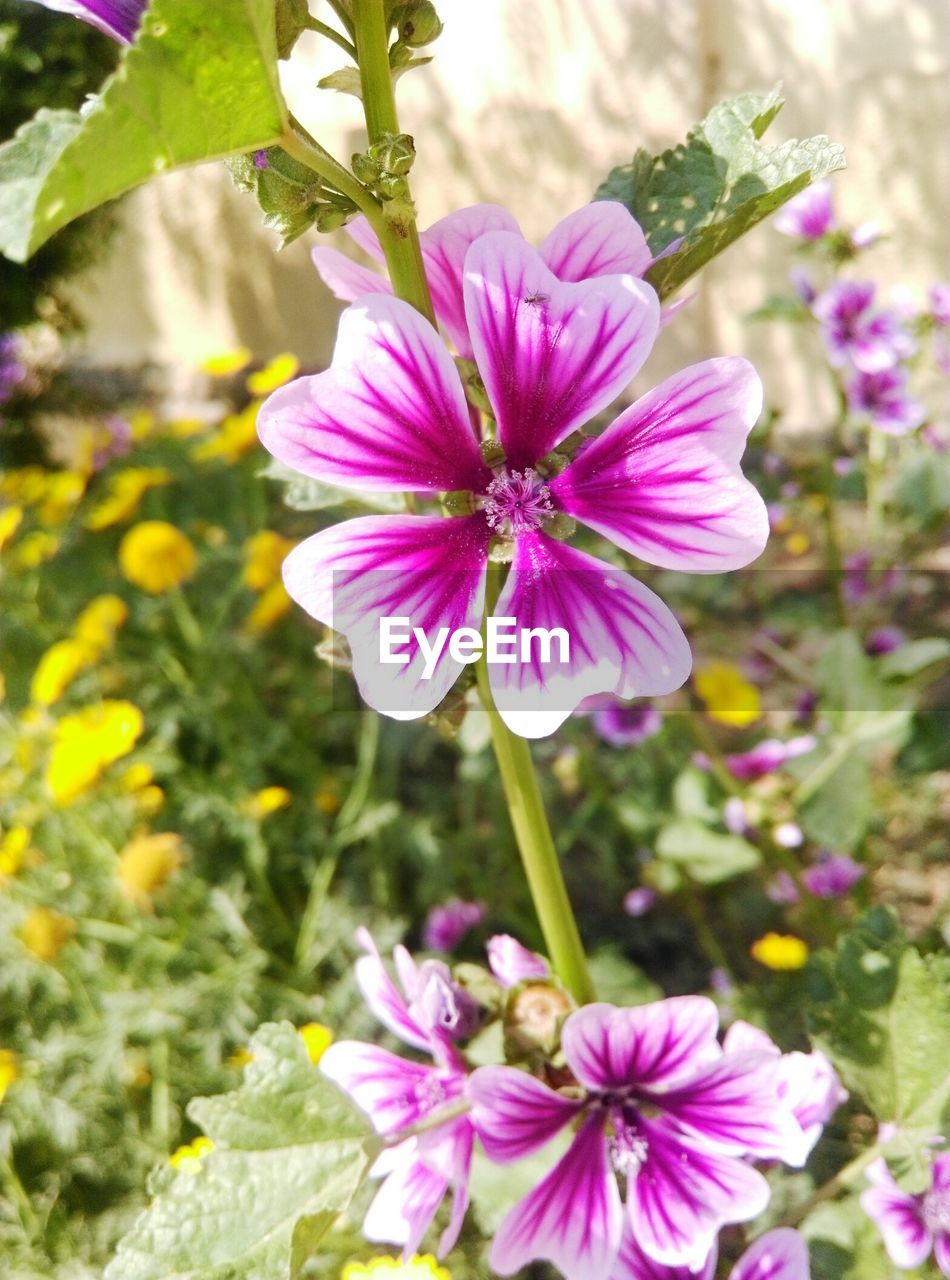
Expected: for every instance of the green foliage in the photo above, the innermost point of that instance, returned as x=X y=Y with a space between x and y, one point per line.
x=717 y=185
x=881 y=1011
x=708 y=857
x=200 y=83
x=289 y=1155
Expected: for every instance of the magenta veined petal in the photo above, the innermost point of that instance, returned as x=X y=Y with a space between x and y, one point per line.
x=733 y=1106
x=601 y=239
x=392 y=1091
x=511 y=963
x=633 y=1264
x=655 y=1045
x=898 y=1216
x=406 y=1202
x=778 y=1255
x=573 y=1218
x=621 y=638
x=384 y=999
x=448 y=1152
x=682 y=1195
x=346 y=279
x=664 y=480
x=515 y=1114
x=388 y=414
x=444 y=247
x=551 y=355
x=429 y=569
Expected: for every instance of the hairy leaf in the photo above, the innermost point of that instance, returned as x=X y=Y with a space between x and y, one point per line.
x=200 y=83
x=289 y=1155
x=716 y=186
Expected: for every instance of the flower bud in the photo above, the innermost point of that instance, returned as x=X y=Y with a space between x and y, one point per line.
x=394 y=154
x=533 y=1020
x=418 y=23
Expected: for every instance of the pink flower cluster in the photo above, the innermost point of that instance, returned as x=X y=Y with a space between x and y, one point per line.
x=665 y=1122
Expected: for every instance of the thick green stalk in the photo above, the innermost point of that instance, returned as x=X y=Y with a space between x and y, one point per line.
x=399 y=240
x=535 y=842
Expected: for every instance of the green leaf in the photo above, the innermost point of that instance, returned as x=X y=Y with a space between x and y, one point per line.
x=619 y=981
x=881 y=1012
x=289 y=1155
x=717 y=185
x=844 y=1244
x=691 y=796
x=200 y=83
x=914 y=657
x=838 y=813
x=706 y=856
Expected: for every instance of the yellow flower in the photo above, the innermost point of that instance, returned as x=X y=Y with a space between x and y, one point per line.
x=235 y=437
x=99 y=623
x=35 y=549
x=326 y=799
x=86 y=742
x=14 y=844
x=780 y=951
x=149 y=800
x=228 y=362
x=57 y=669
x=264 y=553
x=270 y=608
x=185 y=428
x=45 y=933
x=125 y=492
x=796 y=544
x=240 y=1057
x=63 y=491
x=156 y=556
x=137 y=776
x=189 y=1157
x=9 y=1070
x=265 y=802
x=728 y=696
x=10 y=519
x=24 y=485
x=417 y=1268
x=147 y=862
x=317 y=1038
x=274 y=374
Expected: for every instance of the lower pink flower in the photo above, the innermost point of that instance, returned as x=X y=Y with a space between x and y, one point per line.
x=778 y=1255
x=912 y=1225
x=661 y=1107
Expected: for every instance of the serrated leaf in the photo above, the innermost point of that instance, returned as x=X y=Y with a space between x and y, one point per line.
x=881 y=1012
x=289 y=1156
x=708 y=857
x=717 y=185
x=200 y=83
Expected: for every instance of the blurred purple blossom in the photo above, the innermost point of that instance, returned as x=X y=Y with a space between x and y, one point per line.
x=856 y=332
x=832 y=876
x=802 y=284
x=843 y=466
x=782 y=890
x=865 y=234
x=735 y=818
x=911 y=1225
x=883 y=397
x=884 y=640
x=862 y=582
x=623 y=724
x=12 y=370
x=768 y=755
x=810 y=215
x=448 y=923
x=940 y=303
x=639 y=901
x=805 y=705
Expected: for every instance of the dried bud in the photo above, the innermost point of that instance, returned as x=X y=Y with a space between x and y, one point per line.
x=533 y=1020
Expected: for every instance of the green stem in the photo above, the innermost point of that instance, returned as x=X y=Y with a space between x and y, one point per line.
x=399 y=240
x=321 y=28
x=877 y=470
x=833 y=558
x=534 y=839
x=298 y=143
x=842 y=1181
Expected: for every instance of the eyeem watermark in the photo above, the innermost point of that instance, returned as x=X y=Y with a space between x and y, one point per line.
x=504 y=642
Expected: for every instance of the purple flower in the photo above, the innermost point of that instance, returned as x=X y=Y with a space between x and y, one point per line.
x=855 y=332
x=940 y=303
x=832 y=876
x=843 y=466
x=882 y=398
x=12 y=371
x=447 y=924
x=884 y=640
x=770 y=754
x=624 y=724
x=808 y=1089
x=602 y=239
x=911 y=1225
x=801 y=282
x=663 y=482
x=661 y=1105
x=809 y=215
x=863 y=582
x=778 y=1255
x=639 y=901
x=736 y=819
x=512 y=963
x=782 y=890
x=395 y=1093
x=117 y=18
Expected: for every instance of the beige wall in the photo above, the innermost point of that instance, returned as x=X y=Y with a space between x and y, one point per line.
x=529 y=102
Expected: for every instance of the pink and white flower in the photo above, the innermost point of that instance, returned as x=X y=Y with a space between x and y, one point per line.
x=429 y=1014
x=912 y=1225
x=810 y=215
x=511 y=963
x=117 y=18
x=857 y=332
x=658 y=1103
x=778 y=1255
x=663 y=482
